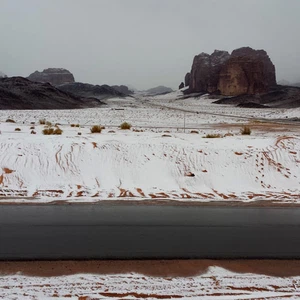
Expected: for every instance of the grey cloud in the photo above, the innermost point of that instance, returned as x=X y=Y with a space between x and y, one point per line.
x=143 y=42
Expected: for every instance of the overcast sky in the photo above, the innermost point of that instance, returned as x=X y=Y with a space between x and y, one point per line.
x=143 y=43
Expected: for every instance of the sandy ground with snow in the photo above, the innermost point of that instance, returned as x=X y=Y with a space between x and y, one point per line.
x=159 y=158
x=151 y=280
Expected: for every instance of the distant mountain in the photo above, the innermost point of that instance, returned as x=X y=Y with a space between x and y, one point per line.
x=2 y=75
x=55 y=76
x=21 y=93
x=159 y=90
x=296 y=84
x=90 y=90
x=123 y=89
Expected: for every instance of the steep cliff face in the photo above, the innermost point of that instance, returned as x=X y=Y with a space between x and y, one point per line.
x=245 y=71
x=54 y=76
x=261 y=55
x=205 y=71
x=242 y=75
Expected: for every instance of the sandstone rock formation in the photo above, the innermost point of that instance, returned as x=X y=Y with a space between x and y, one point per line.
x=54 y=76
x=261 y=55
x=181 y=86
x=21 y=93
x=242 y=75
x=187 y=79
x=245 y=71
x=205 y=71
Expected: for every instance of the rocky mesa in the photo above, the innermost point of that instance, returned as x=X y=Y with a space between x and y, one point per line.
x=244 y=71
x=54 y=76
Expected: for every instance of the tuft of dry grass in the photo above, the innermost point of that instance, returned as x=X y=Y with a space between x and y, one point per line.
x=75 y=125
x=42 y=121
x=10 y=121
x=96 y=129
x=246 y=130
x=79 y=133
x=48 y=123
x=32 y=127
x=17 y=129
x=32 y=132
x=213 y=136
x=195 y=131
x=125 y=126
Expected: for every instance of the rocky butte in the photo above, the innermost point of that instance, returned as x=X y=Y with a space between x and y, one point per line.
x=243 y=72
x=54 y=76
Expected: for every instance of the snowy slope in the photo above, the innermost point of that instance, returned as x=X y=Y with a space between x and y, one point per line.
x=143 y=165
x=217 y=283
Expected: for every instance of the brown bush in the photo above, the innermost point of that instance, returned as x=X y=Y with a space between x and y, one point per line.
x=42 y=121
x=125 y=126
x=10 y=121
x=17 y=129
x=96 y=129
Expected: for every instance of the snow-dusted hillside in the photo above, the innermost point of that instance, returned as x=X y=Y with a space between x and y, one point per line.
x=141 y=165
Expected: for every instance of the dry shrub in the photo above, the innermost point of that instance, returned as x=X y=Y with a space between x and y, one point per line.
x=32 y=132
x=48 y=131
x=75 y=125
x=10 y=121
x=52 y=131
x=32 y=123
x=246 y=130
x=125 y=126
x=195 y=131
x=42 y=121
x=17 y=129
x=32 y=127
x=96 y=129
x=79 y=133
x=57 y=131
x=166 y=135
x=213 y=136
x=111 y=131
x=48 y=123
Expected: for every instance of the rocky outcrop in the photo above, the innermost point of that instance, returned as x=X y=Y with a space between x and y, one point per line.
x=89 y=90
x=54 y=76
x=245 y=71
x=122 y=89
x=181 y=86
x=205 y=71
x=260 y=55
x=277 y=97
x=21 y=93
x=187 y=79
x=242 y=75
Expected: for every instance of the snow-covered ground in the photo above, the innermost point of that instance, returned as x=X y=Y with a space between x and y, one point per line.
x=217 y=283
x=157 y=159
